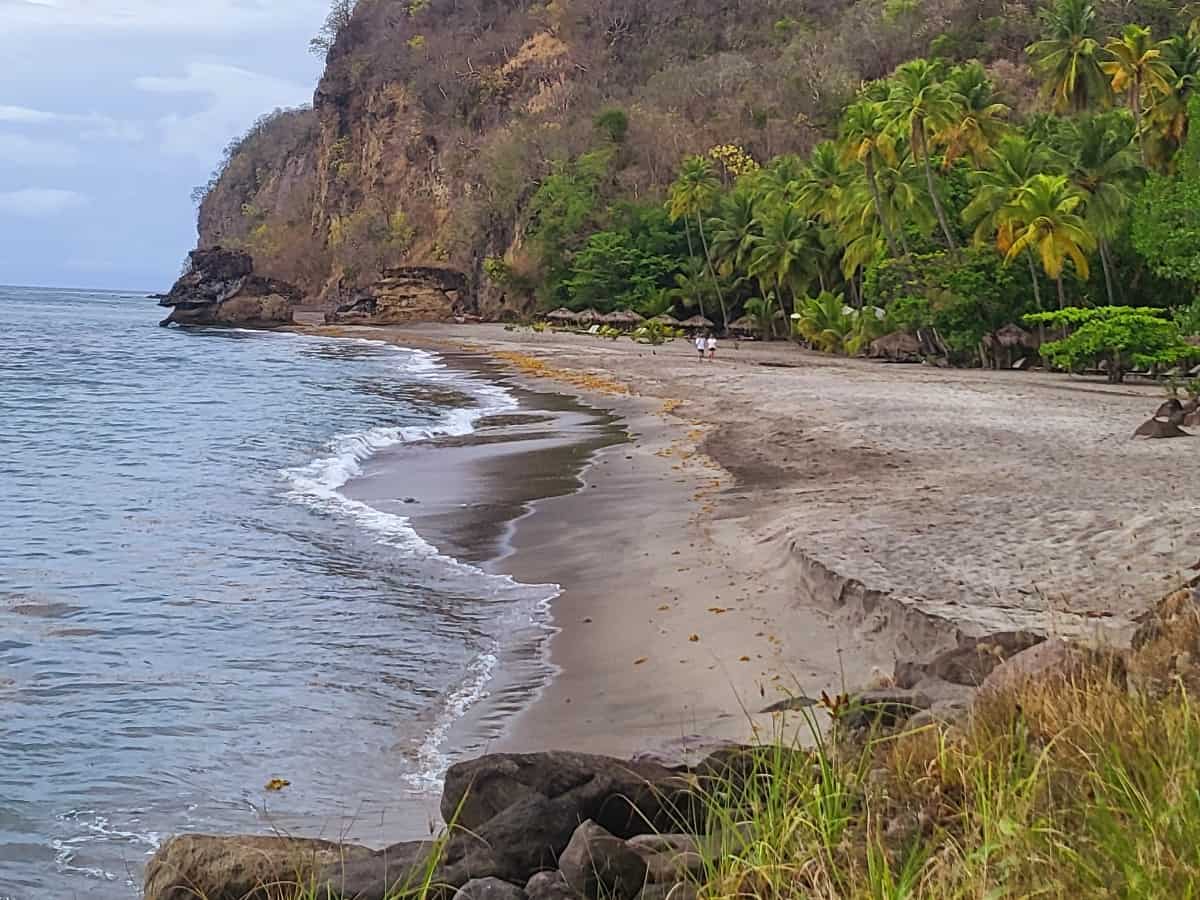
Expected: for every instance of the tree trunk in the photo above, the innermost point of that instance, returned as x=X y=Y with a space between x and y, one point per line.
x=937 y=204
x=1062 y=297
x=1135 y=103
x=1104 y=264
x=691 y=255
x=883 y=223
x=713 y=274
x=1037 y=294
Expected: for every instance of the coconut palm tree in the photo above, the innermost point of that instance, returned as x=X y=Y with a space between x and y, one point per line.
x=919 y=106
x=898 y=201
x=783 y=252
x=691 y=196
x=692 y=285
x=821 y=183
x=1103 y=167
x=824 y=321
x=1011 y=164
x=980 y=119
x=1068 y=58
x=1168 y=115
x=734 y=229
x=1045 y=218
x=865 y=140
x=1137 y=67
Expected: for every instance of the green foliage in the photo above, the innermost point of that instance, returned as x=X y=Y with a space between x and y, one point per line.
x=613 y=122
x=611 y=272
x=1166 y=217
x=337 y=21
x=1121 y=336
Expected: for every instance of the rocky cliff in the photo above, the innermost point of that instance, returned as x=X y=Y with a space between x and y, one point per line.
x=436 y=120
x=220 y=287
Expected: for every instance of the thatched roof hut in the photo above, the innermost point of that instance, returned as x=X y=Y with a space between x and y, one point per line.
x=590 y=316
x=1012 y=335
x=696 y=322
x=666 y=319
x=624 y=317
x=745 y=325
x=562 y=314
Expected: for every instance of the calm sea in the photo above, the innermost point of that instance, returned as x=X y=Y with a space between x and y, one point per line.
x=190 y=607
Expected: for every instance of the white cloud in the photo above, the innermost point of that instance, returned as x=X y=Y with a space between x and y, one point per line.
x=235 y=98
x=40 y=203
x=90 y=127
x=25 y=151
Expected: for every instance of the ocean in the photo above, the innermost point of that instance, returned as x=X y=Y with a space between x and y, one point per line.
x=193 y=603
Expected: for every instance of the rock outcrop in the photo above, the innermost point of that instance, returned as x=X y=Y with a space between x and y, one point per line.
x=221 y=288
x=410 y=294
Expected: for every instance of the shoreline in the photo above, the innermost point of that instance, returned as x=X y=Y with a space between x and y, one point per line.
x=865 y=513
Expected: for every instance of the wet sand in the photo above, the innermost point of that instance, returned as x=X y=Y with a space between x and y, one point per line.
x=788 y=520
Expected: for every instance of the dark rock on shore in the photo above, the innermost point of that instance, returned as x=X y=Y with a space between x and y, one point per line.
x=599 y=866
x=409 y=294
x=489 y=889
x=220 y=288
x=970 y=662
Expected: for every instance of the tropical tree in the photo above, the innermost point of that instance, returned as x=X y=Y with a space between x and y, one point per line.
x=1169 y=115
x=692 y=285
x=1103 y=166
x=980 y=118
x=733 y=230
x=1068 y=57
x=1121 y=336
x=1044 y=218
x=691 y=196
x=782 y=255
x=1011 y=164
x=919 y=106
x=865 y=140
x=821 y=182
x=824 y=321
x=1137 y=68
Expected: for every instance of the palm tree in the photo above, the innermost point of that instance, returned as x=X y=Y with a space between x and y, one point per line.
x=1068 y=58
x=1011 y=164
x=1169 y=113
x=980 y=119
x=820 y=186
x=824 y=322
x=692 y=285
x=1137 y=67
x=1044 y=219
x=733 y=231
x=1103 y=167
x=865 y=140
x=782 y=255
x=919 y=106
x=693 y=194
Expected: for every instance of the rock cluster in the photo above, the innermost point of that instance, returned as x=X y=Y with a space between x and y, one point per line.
x=410 y=294
x=220 y=288
x=1169 y=416
x=547 y=826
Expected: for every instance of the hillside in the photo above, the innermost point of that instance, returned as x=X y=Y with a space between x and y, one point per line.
x=436 y=120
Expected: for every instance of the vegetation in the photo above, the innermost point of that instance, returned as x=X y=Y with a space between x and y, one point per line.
x=1118 y=337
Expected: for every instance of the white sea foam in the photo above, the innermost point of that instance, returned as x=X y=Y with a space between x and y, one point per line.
x=319 y=484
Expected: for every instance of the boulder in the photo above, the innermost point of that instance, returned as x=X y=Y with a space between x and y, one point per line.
x=899 y=346
x=220 y=288
x=408 y=294
x=238 y=868
x=970 y=662
x=549 y=886
x=664 y=843
x=887 y=707
x=1157 y=428
x=1053 y=658
x=1174 y=612
x=669 y=867
x=627 y=798
x=600 y=866
x=489 y=889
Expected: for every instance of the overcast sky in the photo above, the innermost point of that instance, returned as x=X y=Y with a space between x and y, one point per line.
x=111 y=111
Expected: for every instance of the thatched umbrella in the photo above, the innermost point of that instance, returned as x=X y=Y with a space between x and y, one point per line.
x=624 y=317
x=590 y=316
x=1012 y=335
x=744 y=325
x=562 y=314
x=695 y=323
x=666 y=319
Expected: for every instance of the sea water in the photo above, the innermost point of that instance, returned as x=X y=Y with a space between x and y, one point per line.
x=189 y=605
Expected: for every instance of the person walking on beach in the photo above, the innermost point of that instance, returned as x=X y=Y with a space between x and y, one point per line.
x=711 y=343
x=700 y=344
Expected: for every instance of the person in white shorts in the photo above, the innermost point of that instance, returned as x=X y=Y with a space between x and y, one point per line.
x=701 y=345
x=711 y=344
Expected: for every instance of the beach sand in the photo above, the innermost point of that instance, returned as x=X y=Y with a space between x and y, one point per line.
x=787 y=522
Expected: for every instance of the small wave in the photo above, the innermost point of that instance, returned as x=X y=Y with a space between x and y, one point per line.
x=318 y=485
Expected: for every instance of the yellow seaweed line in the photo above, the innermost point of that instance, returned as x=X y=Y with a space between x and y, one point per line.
x=536 y=368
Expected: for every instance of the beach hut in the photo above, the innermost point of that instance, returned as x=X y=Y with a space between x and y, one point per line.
x=624 y=318
x=589 y=316
x=745 y=325
x=666 y=319
x=561 y=315
x=697 y=323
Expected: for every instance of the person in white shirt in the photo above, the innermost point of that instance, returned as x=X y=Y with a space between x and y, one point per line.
x=701 y=345
x=711 y=343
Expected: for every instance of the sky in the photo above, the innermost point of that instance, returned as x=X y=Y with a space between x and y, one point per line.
x=111 y=111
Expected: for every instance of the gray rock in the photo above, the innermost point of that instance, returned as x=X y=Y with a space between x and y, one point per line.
x=549 y=886
x=970 y=662
x=1054 y=658
x=220 y=288
x=664 y=843
x=670 y=867
x=887 y=707
x=236 y=868
x=489 y=889
x=599 y=865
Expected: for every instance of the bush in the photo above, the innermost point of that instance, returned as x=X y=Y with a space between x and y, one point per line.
x=1120 y=336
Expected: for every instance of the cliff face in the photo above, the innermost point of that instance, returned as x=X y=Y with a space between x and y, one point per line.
x=435 y=120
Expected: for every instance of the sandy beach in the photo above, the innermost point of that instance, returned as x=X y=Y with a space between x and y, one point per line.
x=787 y=522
